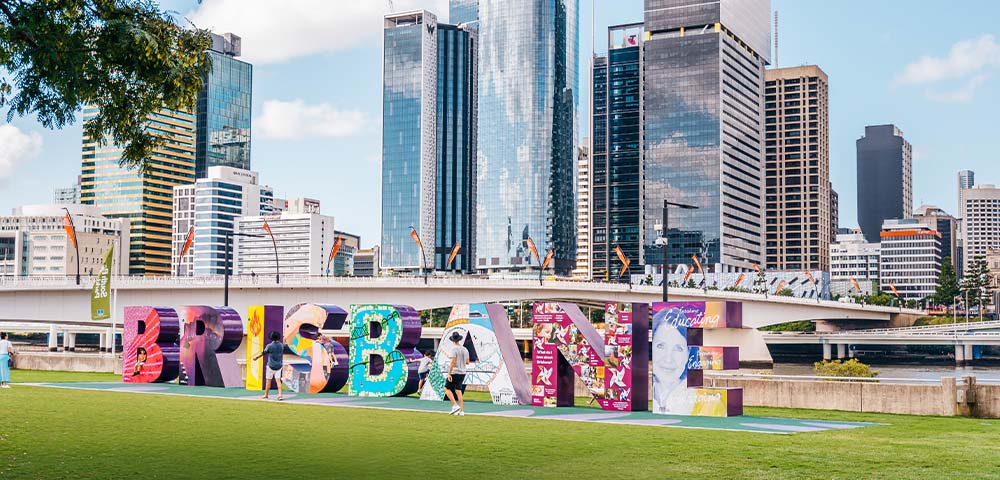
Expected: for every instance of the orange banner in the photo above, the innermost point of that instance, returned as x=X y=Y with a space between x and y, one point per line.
x=696 y=262
x=781 y=286
x=454 y=253
x=894 y=291
x=624 y=267
x=688 y=276
x=621 y=255
x=187 y=242
x=811 y=279
x=267 y=228
x=531 y=246
x=548 y=258
x=855 y=283
x=70 y=229
x=416 y=238
x=756 y=267
x=335 y=249
x=739 y=280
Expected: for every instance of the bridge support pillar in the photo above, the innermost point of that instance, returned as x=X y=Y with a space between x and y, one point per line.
x=850 y=352
x=71 y=341
x=103 y=342
x=960 y=355
x=968 y=354
x=827 y=351
x=111 y=339
x=841 y=351
x=65 y=341
x=53 y=339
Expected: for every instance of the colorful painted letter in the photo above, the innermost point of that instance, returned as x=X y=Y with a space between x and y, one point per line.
x=679 y=358
x=261 y=322
x=149 y=341
x=383 y=340
x=210 y=336
x=492 y=349
x=613 y=367
x=326 y=367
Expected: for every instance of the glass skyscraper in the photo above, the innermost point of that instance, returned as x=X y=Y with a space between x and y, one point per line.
x=703 y=69
x=223 y=112
x=885 y=178
x=616 y=191
x=428 y=142
x=528 y=56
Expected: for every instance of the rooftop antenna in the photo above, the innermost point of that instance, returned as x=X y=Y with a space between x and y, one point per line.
x=776 y=39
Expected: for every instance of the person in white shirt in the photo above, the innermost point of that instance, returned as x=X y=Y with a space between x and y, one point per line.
x=6 y=352
x=424 y=368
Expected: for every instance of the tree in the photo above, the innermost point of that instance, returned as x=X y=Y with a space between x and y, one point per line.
x=947 y=287
x=977 y=282
x=125 y=57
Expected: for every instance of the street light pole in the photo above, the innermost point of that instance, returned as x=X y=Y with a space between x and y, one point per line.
x=664 y=244
x=228 y=262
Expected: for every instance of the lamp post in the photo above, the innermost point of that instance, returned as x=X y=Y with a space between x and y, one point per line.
x=663 y=243
x=229 y=255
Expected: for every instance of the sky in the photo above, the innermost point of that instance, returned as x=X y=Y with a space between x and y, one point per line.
x=933 y=71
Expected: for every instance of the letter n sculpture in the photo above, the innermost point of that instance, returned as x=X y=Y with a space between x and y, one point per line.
x=613 y=366
x=680 y=358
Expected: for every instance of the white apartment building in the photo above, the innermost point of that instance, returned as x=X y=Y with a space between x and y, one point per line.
x=851 y=256
x=980 y=222
x=910 y=258
x=212 y=205
x=366 y=262
x=303 y=236
x=583 y=182
x=34 y=242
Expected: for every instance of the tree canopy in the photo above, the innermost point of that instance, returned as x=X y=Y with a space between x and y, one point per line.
x=124 y=57
x=947 y=287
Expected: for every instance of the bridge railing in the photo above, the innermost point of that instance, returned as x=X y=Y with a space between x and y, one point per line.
x=961 y=325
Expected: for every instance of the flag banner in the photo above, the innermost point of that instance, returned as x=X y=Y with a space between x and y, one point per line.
x=698 y=264
x=416 y=238
x=811 y=279
x=621 y=255
x=739 y=280
x=70 y=229
x=855 y=283
x=268 y=229
x=548 y=258
x=688 y=276
x=531 y=246
x=894 y=291
x=781 y=286
x=624 y=267
x=187 y=242
x=454 y=253
x=757 y=268
x=335 y=249
x=100 y=296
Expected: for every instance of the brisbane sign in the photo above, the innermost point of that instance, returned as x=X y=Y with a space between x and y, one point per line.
x=640 y=352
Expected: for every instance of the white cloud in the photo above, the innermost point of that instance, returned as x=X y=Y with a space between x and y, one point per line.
x=295 y=120
x=276 y=31
x=965 y=58
x=16 y=147
x=963 y=94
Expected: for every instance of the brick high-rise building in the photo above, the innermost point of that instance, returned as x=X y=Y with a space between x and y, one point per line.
x=798 y=195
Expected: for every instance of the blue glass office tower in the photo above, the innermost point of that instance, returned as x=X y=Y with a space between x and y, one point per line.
x=616 y=189
x=428 y=143
x=703 y=74
x=223 y=110
x=528 y=53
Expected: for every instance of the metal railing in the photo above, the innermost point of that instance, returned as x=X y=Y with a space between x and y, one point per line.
x=959 y=380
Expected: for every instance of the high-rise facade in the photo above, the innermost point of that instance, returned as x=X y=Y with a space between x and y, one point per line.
x=302 y=241
x=885 y=178
x=616 y=123
x=851 y=256
x=966 y=180
x=528 y=56
x=343 y=263
x=68 y=195
x=145 y=199
x=980 y=223
x=910 y=259
x=703 y=130
x=223 y=111
x=428 y=142
x=212 y=205
x=945 y=224
x=583 y=183
x=798 y=195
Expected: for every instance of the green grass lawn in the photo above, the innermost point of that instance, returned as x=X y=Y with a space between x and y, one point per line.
x=56 y=433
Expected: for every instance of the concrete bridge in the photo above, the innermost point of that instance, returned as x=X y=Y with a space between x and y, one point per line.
x=58 y=301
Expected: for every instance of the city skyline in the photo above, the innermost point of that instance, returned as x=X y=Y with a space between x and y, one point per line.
x=305 y=107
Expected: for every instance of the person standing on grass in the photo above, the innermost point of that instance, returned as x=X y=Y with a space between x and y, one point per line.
x=456 y=374
x=274 y=351
x=6 y=353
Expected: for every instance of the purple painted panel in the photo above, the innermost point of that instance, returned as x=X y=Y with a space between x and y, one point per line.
x=209 y=331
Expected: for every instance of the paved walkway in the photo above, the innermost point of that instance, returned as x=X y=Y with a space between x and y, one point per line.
x=578 y=414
